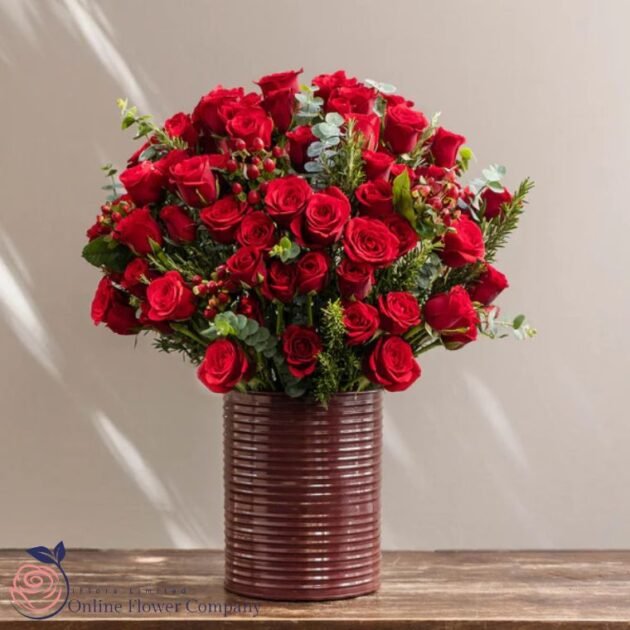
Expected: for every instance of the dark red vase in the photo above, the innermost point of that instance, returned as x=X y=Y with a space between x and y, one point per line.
x=302 y=496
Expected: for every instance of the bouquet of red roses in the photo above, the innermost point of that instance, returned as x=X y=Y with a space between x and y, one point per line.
x=305 y=239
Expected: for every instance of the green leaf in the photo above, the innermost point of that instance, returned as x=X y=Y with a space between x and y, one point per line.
x=518 y=321
x=105 y=252
x=334 y=119
x=403 y=202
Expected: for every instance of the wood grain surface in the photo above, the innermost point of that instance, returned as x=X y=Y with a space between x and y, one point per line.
x=445 y=590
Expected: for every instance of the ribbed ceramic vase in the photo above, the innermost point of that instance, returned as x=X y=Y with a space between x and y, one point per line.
x=302 y=496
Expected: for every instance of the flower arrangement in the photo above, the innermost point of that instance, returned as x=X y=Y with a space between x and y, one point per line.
x=308 y=239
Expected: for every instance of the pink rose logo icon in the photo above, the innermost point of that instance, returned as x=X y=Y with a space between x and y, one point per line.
x=40 y=590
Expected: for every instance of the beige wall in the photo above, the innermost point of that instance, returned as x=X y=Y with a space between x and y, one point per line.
x=504 y=444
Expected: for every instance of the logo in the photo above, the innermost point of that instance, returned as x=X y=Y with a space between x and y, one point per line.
x=41 y=590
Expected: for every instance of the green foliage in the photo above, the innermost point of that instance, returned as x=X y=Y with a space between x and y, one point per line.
x=103 y=251
x=338 y=365
x=498 y=230
x=161 y=141
x=403 y=201
x=285 y=249
x=414 y=272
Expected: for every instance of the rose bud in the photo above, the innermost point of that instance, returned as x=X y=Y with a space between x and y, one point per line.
x=375 y=198
x=251 y=123
x=180 y=126
x=179 y=225
x=488 y=286
x=453 y=315
x=377 y=164
x=195 y=180
x=403 y=127
x=299 y=140
x=144 y=182
x=312 y=272
x=445 y=147
x=401 y=228
x=280 y=81
x=110 y=307
x=464 y=245
x=494 y=202
x=137 y=230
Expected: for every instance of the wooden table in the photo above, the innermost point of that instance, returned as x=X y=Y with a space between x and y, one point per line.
x=445 y=590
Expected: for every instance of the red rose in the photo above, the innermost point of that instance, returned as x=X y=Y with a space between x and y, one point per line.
x=223 y=218
x=246 y=265
x=401 y=228
x=399 y=312
x=324 y=218
x=357 y=98
x=280 y=106
x=463 y=246
x=137 y=229
x=224 y=366
x=301 y=346
x=286 y=197
x=280 y=282
x=136 y=276
x=377 y=164
x=397 y=169
x=488 y=286
x=195 y=181
x=391 y=364
x=169 y=298
x=445 y=146
x=180 y=126
x=494 y=202
x=110 y=307
x=453 y=315
x=102 y=300
x=375 y=198
x=299 y=140
x=369 y=240
x=249 y=123
x=257 y=230
x=249 y=306
x=361 y=322
x=280 y=81
x=208 y=113
x=354 y=279
x=369 y=126
x=403 y=127
x=397 y=99
x=312 y=270
x=179 y=225
x=326 y=83
x=144 y=182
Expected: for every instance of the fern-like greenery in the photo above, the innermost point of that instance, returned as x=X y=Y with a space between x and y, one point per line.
x=338 y=366
x=497 y=231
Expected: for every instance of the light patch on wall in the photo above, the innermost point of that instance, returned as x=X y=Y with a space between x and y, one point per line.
x=19 y=309
x=183 y=535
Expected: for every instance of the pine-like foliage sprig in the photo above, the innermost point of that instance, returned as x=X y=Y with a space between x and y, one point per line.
x=497 y=231
x=337 y=364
